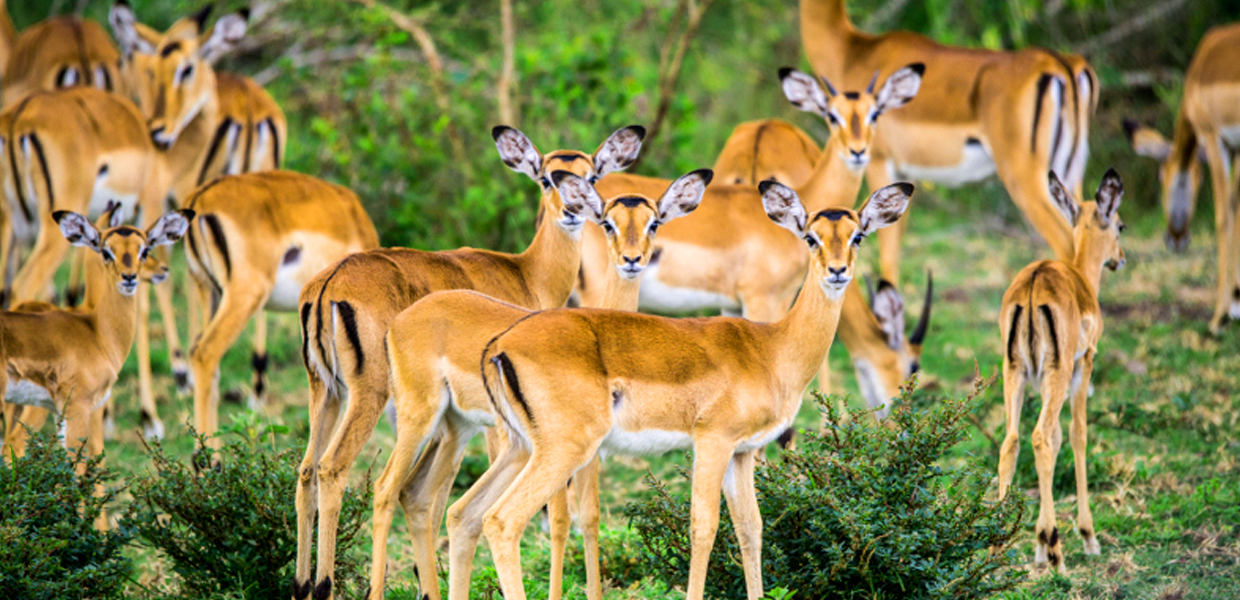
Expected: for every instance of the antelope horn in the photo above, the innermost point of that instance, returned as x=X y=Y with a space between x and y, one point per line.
x=923 y=323
x=869 y=89
x=830 y=88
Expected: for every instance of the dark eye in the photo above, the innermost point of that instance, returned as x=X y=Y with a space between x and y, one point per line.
x=1121 y=228
x=856 y=239
x=607 y=227
x=142 y=254
x=186 y=72
x=546 y=183
x=592 y=179
x=813 y=243
x=654 y=226
x=108 y=256
x=831 y=119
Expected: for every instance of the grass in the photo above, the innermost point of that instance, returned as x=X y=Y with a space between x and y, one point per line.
x=1164 y=460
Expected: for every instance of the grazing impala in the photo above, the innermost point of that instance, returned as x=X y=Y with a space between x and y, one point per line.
x=1051 y=324
x=441 y=402
x=207 y=123
x=68 y=359
x=1018 y=114
x=1208 y=127
x=720 y=257
x=347 y=309
x=573 y=382
x=60 y=52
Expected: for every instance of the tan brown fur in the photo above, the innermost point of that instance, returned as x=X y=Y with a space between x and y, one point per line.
x=766 y=149
x=43 y=55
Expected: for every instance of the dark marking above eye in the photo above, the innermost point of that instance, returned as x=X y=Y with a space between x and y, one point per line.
x=972 y=141
x=852 y=95
x=565 y=157
x=632 y=201
x=169 y=49
x=833 y=214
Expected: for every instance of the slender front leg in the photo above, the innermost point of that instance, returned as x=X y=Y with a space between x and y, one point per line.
x=236 y=306
x=710 y=463
x=1085 y=518
x=152 y=426
x=742 y=499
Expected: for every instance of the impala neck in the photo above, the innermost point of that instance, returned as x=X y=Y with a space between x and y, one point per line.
x=804 y=336
x=1088 y=259
x=828 y=15
x=551 y=261
x=115 y=315
x=832 y=184
x=620 y=293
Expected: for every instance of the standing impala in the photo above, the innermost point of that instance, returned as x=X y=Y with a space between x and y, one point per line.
x=723 y=256
x=206 y=123
x=347 y=309
x=1051 y=324
x=441 y=402
x=1015 y=113
x=573 y=382
x=1207 y=126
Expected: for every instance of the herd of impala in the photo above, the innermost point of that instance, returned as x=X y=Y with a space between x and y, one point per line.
x=468 y=341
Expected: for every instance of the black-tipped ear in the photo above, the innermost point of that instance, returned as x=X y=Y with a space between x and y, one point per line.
x=1110 y=193
x=1063 y=200
x=200 y=17
x=684 y=195
x=244 y=12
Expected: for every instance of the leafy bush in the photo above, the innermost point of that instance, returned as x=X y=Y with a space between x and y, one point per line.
x=857 y=510
x=231 y=527
x=49 y=547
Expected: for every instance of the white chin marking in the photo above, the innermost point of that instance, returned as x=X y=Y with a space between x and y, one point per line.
x=832 y=291
x=126 y=290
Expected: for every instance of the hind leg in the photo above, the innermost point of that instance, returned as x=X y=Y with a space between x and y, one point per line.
x=1055 y=384
x=259 y=361
x=465 y=516
x=1013 y=401
x=324 y=409
x=1084 y=518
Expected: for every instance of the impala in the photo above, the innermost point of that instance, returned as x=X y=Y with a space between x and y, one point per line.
x=207 y=123
x=1051 y=324
x=257 y=240
x=573 y=382
x=60 y=52
x=1015 y=113
x=441 y=402
x=723 y=256
x=347 y=309
x=1207 y=126
x=767 y=149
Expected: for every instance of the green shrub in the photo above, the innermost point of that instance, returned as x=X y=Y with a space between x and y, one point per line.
x=231 y=527
x=859 y=510
x=49 y=547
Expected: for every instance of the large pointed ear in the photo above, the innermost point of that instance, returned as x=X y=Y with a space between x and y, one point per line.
x=783 y=206
x=1146 y=141
x=1109 y=194
x=619 y=150
x=224 y=36
x=124 y=27
x=78 y=230
x=900 y=88
x=884 y=207
x=517 y=151
x=888 y=307
x=803 y=92
x=684 y=195
x=578 y=195
x=169 y=228
x=1063 y=200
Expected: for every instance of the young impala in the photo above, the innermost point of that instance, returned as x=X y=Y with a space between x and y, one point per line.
x=346 y=311
x=441 y=402
x=569 y=383
x=1051 y=324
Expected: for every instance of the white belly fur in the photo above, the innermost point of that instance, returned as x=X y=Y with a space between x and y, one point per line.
x=20 y=391
x=648 y=441
x=1231 y=135
x=975 y=164
x=763 y=438
x=657 y=296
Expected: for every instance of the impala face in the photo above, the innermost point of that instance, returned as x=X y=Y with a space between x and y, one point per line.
x=125 y=249
x=1098 y=221
x=851 y=116
x=1179 y=173
x=170 y=74
x=833 y=235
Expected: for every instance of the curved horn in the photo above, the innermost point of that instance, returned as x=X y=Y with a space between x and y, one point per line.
x=923 y=323
x=830 y=88
x=869 y=89
x=869 y=287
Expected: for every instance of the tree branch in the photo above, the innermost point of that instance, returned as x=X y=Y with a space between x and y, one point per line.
x=323 y=56
x=669 y=77
x=504 y=87
x=1151 y=16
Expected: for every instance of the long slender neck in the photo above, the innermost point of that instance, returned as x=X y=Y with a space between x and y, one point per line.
x=116 y=315
x=804 y=336
x=1088 y=258
x=551 y=261
x=828 y=37
x=8 y=35
x=832 y=184
x=829 y=16
x=620 y=293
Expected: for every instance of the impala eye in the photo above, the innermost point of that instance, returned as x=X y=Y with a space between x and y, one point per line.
x=654 y=227
x=108 y=255
x=1121 y=228
x=813 y=243
x=546 y=183
x=856 y=239
x=186 y=72
x=592 y=178
x=608 y=227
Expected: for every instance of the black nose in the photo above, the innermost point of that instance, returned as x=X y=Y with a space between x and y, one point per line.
x=632 y=261
x=128 y=278
x=857 y=153
x=914 y=368
x=835 y=271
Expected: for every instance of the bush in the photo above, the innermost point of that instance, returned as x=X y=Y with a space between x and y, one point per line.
x=49 y=547
x=231 y=527
x=858 y=510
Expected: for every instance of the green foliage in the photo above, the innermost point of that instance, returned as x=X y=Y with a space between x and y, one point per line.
x=860 y=510
x=49 y=547
x=229 y=527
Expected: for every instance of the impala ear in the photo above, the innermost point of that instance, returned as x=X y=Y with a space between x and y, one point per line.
x=517 y=151
x=1063 y=200
x=578 y=195
x=78 y=230
x=888 y=308
x=619 y=150
x=803 y=92
x=900 y=88
x=124 y=27
x=884 y=207
x=783 y=206
x=169 y=228
x=228 y=30
x=684 y=195
x=1110 y=193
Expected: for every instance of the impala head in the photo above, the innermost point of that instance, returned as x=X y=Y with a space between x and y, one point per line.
x=881 y=374
x=631 y=221
x=835 y=234
x=125 y=249
x=152 y=269
x=170 y=74
x=616 y=153
x=1095 y=224
x=851 y=115
x=1179 y=173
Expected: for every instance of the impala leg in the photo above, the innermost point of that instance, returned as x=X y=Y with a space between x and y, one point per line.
x=1055 y=383
x=1084 y=517
x=560 y=521
x=710 y=463
x=49 y=251
x=1023 y=173
x=466 y=514
x=152 y=427
x=588 y=486
x=1224 y=222
x=324 y=409
x=1013 y=401
x=236 y=307
x=742 y=499
x=75 y=290
x=259 y=360
x=176 y=355
x=17 y=418
x=94 y=447
x=431 y=482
